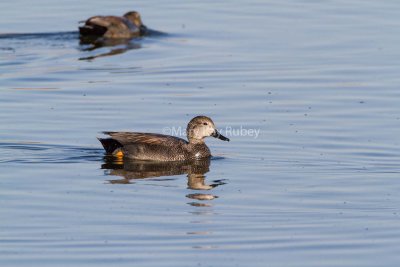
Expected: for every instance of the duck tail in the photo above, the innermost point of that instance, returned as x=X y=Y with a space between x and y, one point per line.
x=110 y=145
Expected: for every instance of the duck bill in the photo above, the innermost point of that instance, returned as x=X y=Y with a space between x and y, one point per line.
x=216 y=134
x=143 y=30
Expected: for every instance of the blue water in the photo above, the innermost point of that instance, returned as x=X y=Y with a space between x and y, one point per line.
x=317 y=187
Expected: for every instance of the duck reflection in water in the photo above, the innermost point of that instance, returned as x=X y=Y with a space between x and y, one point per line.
x=118 y=46
x=130 y=170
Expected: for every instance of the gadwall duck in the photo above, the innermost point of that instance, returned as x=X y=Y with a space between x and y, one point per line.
x=128 y=26
x=159 y=147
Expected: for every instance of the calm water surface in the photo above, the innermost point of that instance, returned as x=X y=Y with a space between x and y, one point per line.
x=319 y=186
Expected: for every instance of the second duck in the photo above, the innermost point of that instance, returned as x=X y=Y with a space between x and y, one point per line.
x=128 y=26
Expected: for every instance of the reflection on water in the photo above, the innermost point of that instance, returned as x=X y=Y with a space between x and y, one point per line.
x=122 y=45
x=129 y=169
x=195 y=170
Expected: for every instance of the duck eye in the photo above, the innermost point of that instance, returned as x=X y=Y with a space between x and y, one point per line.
x=205 y=123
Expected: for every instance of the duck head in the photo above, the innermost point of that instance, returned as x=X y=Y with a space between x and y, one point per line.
x=134 y=17
x=200 y=127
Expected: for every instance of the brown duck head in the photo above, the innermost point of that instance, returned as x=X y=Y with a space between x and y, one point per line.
x=134 y=17
x=200 y=127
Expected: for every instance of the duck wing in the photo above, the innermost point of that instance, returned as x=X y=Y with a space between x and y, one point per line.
x=99 y=25
x=129 y=138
